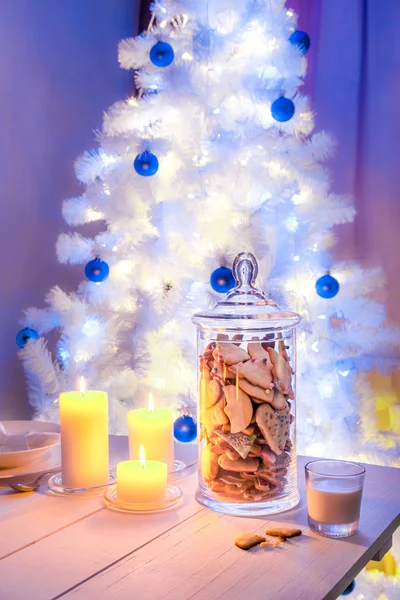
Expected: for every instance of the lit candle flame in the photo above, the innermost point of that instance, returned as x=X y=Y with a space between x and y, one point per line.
x=151 y=403
x=142 y=456
x=82 y=385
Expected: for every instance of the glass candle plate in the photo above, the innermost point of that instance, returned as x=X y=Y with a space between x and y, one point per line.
x=56 y=487
x=179 y=467
x=172 y=497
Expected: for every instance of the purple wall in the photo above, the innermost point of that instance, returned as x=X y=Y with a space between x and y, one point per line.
x=353 y=80
x=58 y=73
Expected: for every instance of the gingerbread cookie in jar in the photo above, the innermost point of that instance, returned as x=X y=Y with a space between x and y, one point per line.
x=247 y=400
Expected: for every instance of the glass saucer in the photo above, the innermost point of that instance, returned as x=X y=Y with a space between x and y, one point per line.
x=56 y=487
x=179 y=467
x=172 y=498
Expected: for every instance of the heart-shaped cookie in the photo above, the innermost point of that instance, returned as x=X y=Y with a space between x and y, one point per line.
x=274 y=425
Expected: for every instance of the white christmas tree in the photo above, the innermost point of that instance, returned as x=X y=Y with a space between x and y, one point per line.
x=214 y=156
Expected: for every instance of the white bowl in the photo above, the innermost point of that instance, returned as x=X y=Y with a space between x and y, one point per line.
x=38 y=443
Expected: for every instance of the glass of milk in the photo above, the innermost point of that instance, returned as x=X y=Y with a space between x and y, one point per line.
x=334 y=491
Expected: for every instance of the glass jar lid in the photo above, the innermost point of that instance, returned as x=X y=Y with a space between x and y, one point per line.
x=246 y=307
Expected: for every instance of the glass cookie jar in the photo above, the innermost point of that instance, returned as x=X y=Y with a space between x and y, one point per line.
x=247 y=401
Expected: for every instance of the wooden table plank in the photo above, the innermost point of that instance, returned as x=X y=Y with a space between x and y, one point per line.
x=197 y=559
x=188 y=551
x=57 y=562
x=30 y=517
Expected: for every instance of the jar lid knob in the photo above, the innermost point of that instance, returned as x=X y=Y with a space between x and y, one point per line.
x=245 y=271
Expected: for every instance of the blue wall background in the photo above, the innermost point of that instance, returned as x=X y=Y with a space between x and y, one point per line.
x=58 y=73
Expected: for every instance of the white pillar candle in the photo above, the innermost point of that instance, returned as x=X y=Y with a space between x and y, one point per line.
x=153 y=428
x=141 y=481
x=84 y=438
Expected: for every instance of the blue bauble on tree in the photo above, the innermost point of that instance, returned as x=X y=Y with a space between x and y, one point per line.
x=146 y=164
x=301 y=39
x=327 y=286
x=97 y=270
x=349 y=588
x=26 y=335
x=282 y=109
x=162 y=54
x=185 y=429
x=222 y=280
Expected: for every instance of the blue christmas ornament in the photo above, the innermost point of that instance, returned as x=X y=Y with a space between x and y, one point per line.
x=327 y=286
x=185 y=429
x=222 y=280
x=300 y=39
x=282 y=109
x=349 y=588
x=345 y=366
x=97 y=270
x=26 y=335
x=146 y=164
x=162 y=54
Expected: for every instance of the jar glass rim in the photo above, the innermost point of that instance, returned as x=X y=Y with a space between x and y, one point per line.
x=308 y=467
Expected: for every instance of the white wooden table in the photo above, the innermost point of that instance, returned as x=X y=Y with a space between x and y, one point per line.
x=56 y=547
